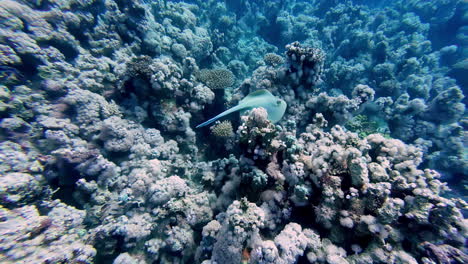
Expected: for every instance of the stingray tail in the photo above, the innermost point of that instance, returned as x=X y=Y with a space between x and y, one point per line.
x=227 y=112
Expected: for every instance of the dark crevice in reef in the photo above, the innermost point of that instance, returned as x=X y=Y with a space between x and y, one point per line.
x=204 y=133
x=303 y=215
x=135 y=92
x=124 y=34
x=458 y=185
x=460 y=74
x=132 y=24
x=64 y=47
x=29 y=66
x=117 y=157
x=25 y=25
x=44 y=5
x=271 y=33
x=114 y=245
x=65 y=195
x=130 y=9
x=80 y=36
x=442 y=35
x=62 y=171
x=207 y=62
x=139 y=86
x=3 y=115
x=303 y=260
x=345 y=181
x=163 y=223
x=96 y=8
x=406 y=245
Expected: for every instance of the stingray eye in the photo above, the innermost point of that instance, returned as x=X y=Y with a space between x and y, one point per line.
x=278 y=102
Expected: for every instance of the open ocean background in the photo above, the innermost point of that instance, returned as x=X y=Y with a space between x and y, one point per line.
x=344 y=141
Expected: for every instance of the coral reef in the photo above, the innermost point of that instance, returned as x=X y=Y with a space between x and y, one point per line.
x=100 y=160
x=222 y=129
x=216 y=78
x=59 y=236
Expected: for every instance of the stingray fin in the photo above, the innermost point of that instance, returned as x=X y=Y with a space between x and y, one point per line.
x=227 y=112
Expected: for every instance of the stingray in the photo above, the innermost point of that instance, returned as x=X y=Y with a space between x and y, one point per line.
x=274 y=106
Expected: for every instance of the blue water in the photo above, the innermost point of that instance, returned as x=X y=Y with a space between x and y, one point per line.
x=101 y=159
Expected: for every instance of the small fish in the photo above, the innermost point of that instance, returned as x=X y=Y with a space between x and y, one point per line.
x=262 y=98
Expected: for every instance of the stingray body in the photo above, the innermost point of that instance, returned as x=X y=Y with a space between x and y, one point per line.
x=274 y=106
